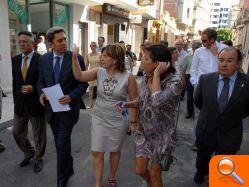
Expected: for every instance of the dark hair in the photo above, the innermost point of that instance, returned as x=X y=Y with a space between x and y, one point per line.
x=238 y=52
x=164 y=43
x=27 y=33
x=228 y=43
x=102 y=37
x=211 y=33
x=121 y=42
x=117 y=52
x=52 y=31
x=161 y=54
x=172 y=50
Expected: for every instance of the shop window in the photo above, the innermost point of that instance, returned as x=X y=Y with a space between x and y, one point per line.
x=62 y=18
x=18 y=20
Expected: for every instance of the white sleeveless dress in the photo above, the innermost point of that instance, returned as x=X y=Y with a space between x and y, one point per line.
x=108 y=129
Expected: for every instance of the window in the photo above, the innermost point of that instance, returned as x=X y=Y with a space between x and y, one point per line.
x=216 y=10
x=18 y=20
x=214 y=22
x=216 y=4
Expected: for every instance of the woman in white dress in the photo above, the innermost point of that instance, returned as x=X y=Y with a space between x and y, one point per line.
x=114 y=84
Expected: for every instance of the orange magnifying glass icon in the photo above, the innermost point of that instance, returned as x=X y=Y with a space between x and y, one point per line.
x=226 y=167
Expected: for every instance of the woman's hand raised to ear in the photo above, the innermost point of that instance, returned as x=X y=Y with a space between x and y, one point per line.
x=161 y=68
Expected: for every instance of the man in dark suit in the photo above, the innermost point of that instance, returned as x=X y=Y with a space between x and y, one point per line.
x=222 y=98
x=26 y=102
x=56 y=68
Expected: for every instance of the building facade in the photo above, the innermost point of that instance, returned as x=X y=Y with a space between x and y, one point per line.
x=220 y=12
x=241 y=33
x=83 y=22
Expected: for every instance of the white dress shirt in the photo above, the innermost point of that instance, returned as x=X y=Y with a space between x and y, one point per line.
x=181 y=56
x=54 y=59
x=204 y=62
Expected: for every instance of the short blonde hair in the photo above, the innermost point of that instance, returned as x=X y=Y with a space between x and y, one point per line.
x=117 y=52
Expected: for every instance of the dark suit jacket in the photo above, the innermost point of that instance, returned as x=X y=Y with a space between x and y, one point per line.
x=223 y=130
x=26 y=104
x=70 y=86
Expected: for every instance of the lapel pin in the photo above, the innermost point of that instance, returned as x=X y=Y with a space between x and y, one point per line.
x=242 y=85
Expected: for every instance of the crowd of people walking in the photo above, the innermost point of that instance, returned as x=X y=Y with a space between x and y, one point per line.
x=210 y=73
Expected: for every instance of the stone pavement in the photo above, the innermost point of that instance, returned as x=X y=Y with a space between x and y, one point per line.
x=180 y=174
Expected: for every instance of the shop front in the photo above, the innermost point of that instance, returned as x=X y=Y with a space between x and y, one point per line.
x=36 y=16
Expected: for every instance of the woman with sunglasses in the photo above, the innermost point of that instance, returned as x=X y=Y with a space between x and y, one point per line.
x=108 y=129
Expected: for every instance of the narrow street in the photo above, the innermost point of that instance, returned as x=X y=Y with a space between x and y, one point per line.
x=180 y=175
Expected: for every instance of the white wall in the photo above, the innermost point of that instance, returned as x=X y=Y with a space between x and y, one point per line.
x=5 y=62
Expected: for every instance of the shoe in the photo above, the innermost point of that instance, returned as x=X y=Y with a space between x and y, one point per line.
x=38 y=166
x=2 y=148
x=188 y=116
x=198 y=178
x=111 y=183
x=26 y=160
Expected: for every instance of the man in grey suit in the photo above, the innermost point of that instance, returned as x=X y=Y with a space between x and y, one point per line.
x=55 y=68
x=222 y=98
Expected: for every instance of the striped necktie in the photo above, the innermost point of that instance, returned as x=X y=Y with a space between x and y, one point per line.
x=223 y=100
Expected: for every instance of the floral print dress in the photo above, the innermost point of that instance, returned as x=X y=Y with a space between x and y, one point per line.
x=157 y=118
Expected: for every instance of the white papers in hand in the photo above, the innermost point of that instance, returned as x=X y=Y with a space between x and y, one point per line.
x=54 y=93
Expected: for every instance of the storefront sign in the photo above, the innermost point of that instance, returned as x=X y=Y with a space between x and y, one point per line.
x=18 y=10
x=109 y=9
x=61 y=17
x=146 y=2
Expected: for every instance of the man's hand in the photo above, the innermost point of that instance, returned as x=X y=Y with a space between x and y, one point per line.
x=214 y=49
x=27 y=89
x=42 y=99
x=65 y=100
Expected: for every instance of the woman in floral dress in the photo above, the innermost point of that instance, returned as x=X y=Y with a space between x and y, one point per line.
x=158 y=106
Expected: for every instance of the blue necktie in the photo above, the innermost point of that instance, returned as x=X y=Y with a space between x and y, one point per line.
x=57 y=70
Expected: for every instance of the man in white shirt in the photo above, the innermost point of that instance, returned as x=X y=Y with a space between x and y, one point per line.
x=101 y=41
x=181 y=52
x=205 y=60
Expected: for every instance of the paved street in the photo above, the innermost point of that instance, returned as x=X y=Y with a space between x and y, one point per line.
x=180 y=174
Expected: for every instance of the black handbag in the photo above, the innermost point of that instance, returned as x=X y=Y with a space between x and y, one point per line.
x=165 y=161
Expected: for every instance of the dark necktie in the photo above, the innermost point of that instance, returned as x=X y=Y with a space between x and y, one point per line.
x=223 y=100
x=57 y=70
